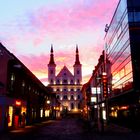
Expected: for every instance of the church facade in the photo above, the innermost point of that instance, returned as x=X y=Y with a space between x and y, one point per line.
x=65 y=85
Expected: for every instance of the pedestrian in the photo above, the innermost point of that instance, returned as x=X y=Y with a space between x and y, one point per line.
x=20 y=120
x=23 y=119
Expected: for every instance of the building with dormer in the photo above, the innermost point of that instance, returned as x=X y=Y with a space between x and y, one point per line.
x=65 y=85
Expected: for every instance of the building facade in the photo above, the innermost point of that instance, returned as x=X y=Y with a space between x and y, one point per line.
x=20 y=93
x=95 y=95
x=122 y=48
x=66 y=85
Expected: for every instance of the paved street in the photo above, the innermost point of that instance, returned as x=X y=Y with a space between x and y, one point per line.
x=67 y=129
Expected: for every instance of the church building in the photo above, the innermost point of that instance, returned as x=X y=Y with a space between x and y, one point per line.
x=65 y=85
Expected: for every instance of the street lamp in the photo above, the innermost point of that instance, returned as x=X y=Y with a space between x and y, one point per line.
x=48 y=101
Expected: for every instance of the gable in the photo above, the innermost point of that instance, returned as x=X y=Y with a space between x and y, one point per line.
x=64 y=73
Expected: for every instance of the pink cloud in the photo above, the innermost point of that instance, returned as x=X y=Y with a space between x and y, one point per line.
x=78 y=16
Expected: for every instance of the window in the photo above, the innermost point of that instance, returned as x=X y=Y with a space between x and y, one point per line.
x=58 y=81
x=78 y=81
x=72 y=97
x=78 y=72
x=51 y=81
x=71 y=81
x=65 y=96
x=23 y=87
x=72 y=89
x=78 y=105
x=72 y=106
x=58 y=89
x=78 y=96
x=64 y=89
x=78 y=89
x=57 y=97
x=12 y=81
x=65 y=74
x=51 y=71
x=65 y=81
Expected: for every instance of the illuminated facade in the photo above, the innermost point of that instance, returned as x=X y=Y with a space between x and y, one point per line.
x=123 y=54
x=66 y=85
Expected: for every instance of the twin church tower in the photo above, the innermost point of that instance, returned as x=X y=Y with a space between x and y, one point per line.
x=65 y=85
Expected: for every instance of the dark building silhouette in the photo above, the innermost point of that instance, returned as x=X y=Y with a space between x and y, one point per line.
x=21 y=93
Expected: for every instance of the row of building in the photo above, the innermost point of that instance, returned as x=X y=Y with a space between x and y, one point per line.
x=22 y=94
x=112 y=93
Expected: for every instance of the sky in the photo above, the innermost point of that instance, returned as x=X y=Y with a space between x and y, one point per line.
x=29 y=27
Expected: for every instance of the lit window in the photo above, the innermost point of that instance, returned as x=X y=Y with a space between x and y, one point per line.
x=93 y=99
x=12 y=77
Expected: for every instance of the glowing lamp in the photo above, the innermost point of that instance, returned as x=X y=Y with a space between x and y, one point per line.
x=18 y=103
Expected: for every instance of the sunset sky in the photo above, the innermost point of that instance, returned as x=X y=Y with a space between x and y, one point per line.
x=29 y=27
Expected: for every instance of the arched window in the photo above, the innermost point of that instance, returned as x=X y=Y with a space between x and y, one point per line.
x=71 y=97
x=65 y=97
x=78 y=105
x=57 y=96
x=78 y=96
x=72 y=106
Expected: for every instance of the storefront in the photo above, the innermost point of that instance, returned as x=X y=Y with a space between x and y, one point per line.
x=12 y=113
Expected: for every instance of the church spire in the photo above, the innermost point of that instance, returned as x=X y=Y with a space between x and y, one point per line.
x=77 y=62
x=51 y=56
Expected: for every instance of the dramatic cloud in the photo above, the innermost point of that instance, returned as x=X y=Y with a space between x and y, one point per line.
x=31 y=27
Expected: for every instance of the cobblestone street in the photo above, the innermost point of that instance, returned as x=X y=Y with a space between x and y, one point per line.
x=67 y=129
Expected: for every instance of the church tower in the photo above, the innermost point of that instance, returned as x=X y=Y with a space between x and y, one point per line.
x=77 y=68
x=51 y=68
